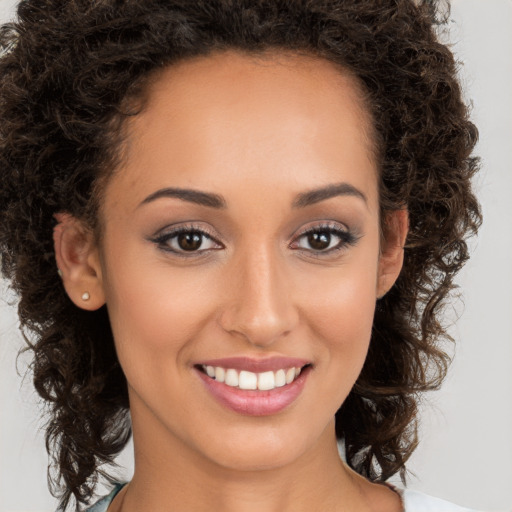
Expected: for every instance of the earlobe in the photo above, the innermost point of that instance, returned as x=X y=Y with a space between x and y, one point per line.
x=396 y=226
x=78 y=262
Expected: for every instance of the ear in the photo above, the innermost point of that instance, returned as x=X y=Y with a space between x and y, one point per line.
x=78 y=262
x=391 y=258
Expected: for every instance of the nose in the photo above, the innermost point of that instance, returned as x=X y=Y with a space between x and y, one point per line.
x=260 y=307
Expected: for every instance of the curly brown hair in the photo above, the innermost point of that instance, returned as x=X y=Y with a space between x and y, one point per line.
x=66 y=71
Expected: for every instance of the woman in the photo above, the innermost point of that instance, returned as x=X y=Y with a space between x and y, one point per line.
x=232 y=226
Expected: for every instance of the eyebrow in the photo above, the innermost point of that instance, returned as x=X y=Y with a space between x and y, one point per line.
x=217 y=201
x=189 y=195
x=321 y=194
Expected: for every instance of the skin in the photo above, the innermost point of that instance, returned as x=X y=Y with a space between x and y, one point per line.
x=258 y=132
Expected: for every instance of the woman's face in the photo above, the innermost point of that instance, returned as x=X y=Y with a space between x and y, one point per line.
x=241 y=239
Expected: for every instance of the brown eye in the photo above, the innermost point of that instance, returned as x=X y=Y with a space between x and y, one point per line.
x=191 y=241
x=319 y=240
x=187 y=242
x=324 y=240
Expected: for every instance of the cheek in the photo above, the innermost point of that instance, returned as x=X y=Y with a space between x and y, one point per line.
x=341 y=302
x=155 y=314
x=342 y=323
x=340 y=317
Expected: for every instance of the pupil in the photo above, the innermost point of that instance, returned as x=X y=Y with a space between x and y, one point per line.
x=189 y=241
x=319 y=240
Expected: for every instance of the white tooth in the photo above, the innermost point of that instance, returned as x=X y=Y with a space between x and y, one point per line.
x=297 y=371
x=231 y=378
x=219 y=373
x=247 y=380
x=280 y=378
x=290 y=375
x=210 y=371
x=266 y=381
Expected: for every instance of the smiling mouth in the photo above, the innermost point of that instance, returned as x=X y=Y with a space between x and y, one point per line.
x=246 y=380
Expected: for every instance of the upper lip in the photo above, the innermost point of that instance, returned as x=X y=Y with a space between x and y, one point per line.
x=256 y=365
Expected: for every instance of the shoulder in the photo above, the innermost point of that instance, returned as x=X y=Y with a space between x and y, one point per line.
x=415 y=501
x=103 y=503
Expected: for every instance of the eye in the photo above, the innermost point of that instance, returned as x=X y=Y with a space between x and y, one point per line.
x=186 y=241
x=324 y=239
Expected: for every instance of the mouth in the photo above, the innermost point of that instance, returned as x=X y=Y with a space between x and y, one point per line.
x=248 y=380
x=237 y=384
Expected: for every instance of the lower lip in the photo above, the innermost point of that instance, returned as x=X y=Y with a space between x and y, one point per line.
x=253 y=402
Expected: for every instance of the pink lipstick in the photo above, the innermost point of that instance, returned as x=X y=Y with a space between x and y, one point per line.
x=255 y=387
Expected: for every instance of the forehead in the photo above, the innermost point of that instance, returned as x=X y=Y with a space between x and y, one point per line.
x=267 y=116
x=269 y=69
x=283 y=79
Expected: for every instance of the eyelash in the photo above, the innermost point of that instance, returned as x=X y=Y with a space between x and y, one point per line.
x=346 y=239
x=163 y=240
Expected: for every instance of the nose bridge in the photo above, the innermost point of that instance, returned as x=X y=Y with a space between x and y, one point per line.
x=261 y=306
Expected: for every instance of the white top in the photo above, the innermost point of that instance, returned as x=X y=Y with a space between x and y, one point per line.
x=413 y=501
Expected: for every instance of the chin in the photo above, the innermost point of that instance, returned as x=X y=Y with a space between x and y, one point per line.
x=266 y=449
x=257 y=459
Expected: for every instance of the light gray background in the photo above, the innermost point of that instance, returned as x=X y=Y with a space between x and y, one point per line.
x=466 y=450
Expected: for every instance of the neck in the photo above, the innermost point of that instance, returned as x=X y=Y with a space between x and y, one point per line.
x=172 y=476
x=315 y=486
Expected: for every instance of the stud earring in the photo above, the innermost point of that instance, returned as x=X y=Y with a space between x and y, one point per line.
x=86 y=296
x=59 y=271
